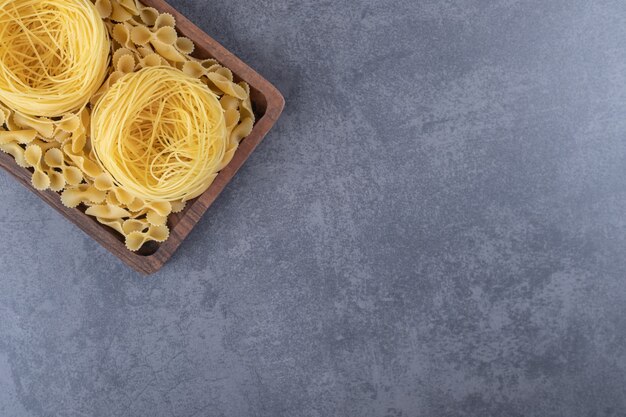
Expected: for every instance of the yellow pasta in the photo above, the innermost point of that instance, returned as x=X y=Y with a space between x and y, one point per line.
x=155 y=218
x=149 y=15
x=168 y=142
x=134 y=225
x=103 y=102
x=19 y=136
x=53 y=55
x=16 y=151
x=124 y=197
x=115 y=224
x=104 y=182
x=33 y=156
x=71 y=175
x=107 y=211
x=82 y=194
x=43 y=126
x=135 y=240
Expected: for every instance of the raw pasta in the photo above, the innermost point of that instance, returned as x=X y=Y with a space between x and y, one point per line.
x=168 y=151
x=169 y=141
x=53 y=55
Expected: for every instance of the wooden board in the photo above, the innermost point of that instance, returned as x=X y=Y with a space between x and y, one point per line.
x=268 y=104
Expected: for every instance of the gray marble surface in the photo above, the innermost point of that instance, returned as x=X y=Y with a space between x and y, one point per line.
x=436 y=227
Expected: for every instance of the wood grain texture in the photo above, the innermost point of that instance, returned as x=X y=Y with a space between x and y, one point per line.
x=268 y=104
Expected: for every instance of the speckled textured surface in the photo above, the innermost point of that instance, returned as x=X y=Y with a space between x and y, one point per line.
x=435 y=227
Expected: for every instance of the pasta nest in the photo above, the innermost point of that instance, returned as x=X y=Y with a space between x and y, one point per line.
x=54 y=55
x=161 y=134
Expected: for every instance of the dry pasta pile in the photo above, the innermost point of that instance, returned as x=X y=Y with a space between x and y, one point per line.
x=106 y=105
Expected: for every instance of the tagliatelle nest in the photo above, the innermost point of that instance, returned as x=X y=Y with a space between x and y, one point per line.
x=53 y=136
x=53 y=55
x=169 y=142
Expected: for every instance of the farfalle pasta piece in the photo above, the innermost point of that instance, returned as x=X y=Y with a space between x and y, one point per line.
x=209 y=62
x=245 y=106
x=10 y=123
x=57 y=179
x=107 y=211
x=71 y=175
x=90 y=168
x=33 y=156
x=229 y=103
x=220 y=77
x=134 y=225
x=85 y=119
x=5 y=113
x=167 y=51
x=82 y=194
x=145 y=50
x=185 y=45
x=139 y=208
x=155 y=218
x=136 y=205
x=54 y=158
x=119 y=53
x=149 y=15
x=73 y=129
x=157 y=213
x=17 y=136
x=242 y=130
x=126 y=198
x=45 y=146
x=152 y=60
x=78 y=140
x=121 y=34
x=226 y=85
x=141 y=35
x=104 y=182
x=162 y=208
x=178 y=206
x=57 y=182
x=43 y=125
x=193 y=69
x=126 y=64
x=232 y=117
x=104 y=8
x=120 y=13
x=135 y=240
x=166 y=35
x=112 y=199
x=164 y=20
x=16 y=151
x=163 y=41
x=130 y=6
x=223 y=71
x=61 y=137
x=139 y=215
x=115 y=224
x=70 y=123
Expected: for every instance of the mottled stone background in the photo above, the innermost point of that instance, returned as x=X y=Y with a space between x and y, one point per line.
x=436 y=227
